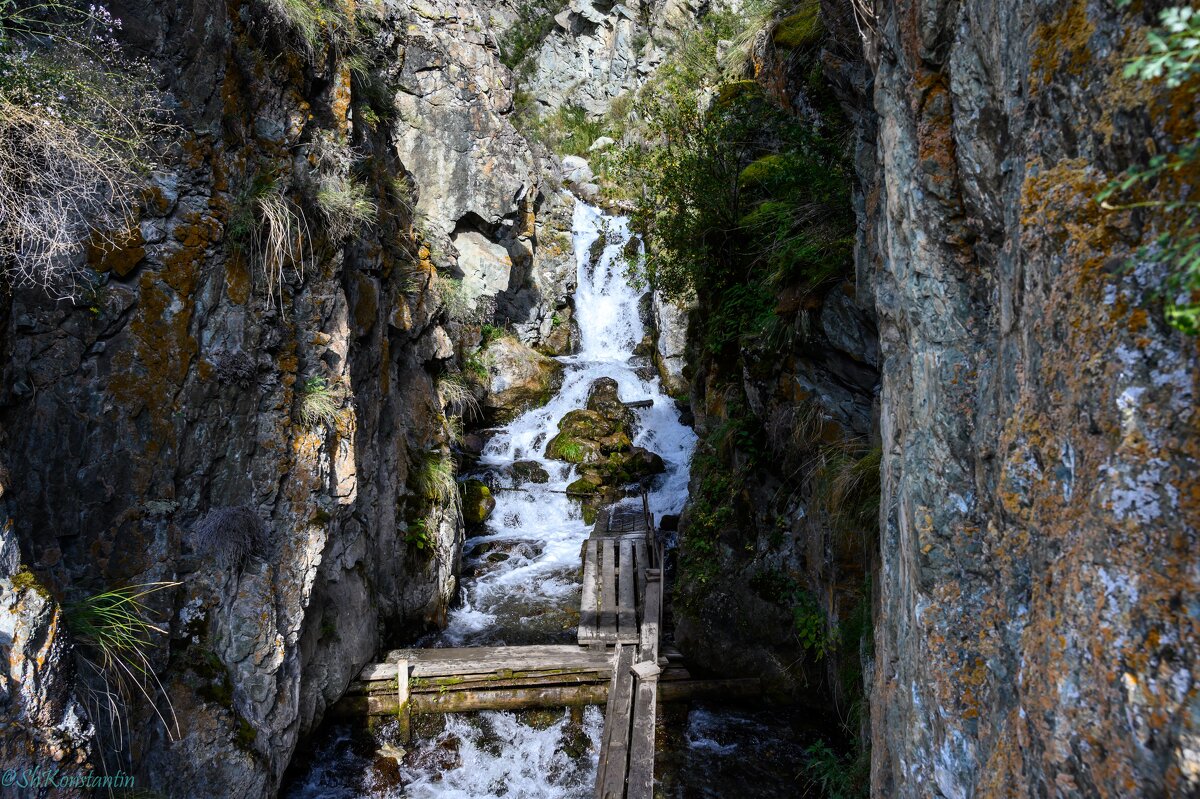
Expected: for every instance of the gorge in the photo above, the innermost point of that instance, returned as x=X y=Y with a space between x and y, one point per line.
x=314 y=363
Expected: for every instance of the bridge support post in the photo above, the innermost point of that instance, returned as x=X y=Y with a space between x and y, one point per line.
x=403 y=710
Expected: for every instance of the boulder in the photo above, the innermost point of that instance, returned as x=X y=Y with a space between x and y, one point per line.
x=530 y=472
x=478 y=502
x=519 y=378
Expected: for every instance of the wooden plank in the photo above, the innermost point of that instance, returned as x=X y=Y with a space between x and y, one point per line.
x=547 y=696
x=648 y=649
x=588 y=621
x=602 y=761
x=640 y=783
x=639 y=555
x=489 y=681
x=608 y=592
x=615 y=754
x=646 y=403
x=461 y=661
x=626 y=577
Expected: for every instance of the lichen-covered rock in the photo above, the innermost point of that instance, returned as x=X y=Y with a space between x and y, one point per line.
x=1034 y=632
x=519 y=378
x=478 y=502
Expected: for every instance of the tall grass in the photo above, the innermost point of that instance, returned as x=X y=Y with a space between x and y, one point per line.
x=456 y=395
x=436 y=480
x=116 y=635
x=320 y=402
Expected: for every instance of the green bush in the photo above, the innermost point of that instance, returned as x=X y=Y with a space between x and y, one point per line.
x=1174 y=58
x=535 y=20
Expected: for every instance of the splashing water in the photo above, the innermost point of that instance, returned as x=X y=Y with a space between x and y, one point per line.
x=526 y=568
x=527 y=578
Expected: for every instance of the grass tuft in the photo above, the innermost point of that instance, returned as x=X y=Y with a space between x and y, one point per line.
x=320 y=402
x=230 y=536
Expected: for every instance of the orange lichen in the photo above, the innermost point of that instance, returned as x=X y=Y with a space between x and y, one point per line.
x=118 y=253
x=1062 y=45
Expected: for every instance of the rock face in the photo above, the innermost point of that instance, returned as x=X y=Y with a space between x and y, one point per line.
x=1035 y=632
x=600 y=50
x=482 y=194
x=184 y=385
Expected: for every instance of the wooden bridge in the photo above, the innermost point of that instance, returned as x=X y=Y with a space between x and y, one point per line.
x=617 y=661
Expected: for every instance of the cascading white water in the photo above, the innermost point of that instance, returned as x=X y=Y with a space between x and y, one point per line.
x=539 y=528
x=528 y=558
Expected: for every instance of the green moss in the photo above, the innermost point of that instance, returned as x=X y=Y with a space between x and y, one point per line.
x=24 y=580
x=801 y=30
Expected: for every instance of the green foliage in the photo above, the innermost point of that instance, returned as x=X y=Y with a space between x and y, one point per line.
x=837 y=776
x=1174 y=48
x=77 y=122
x=535 y=20
x=569 y=130
x=1174 y=58
x=417 y=535
x=740 y=198
x=116 y=631
x=319 y=402
x=489 y=333
x=811 y=625
x=800 y=30
x=341 y=199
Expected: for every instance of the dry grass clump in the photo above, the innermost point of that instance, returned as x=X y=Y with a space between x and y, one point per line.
x=230 y=536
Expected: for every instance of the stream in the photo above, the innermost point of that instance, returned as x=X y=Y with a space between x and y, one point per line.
x=521 y=586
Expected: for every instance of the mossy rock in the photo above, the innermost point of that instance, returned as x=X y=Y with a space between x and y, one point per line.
x=583 y=487
x=478 y=502
x=530 y=472
x=732 y=90
x=765 y=170
x=564 y=447
x=616 y=443
x=604 y=399
x=587 y=424
x=801 y=30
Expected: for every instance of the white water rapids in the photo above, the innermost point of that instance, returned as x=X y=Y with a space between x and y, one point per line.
x=525 y=563
x=537 y=526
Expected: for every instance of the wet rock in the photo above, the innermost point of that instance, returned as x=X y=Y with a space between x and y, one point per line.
x=529 y=472
x=604 y=398
x=478 y=502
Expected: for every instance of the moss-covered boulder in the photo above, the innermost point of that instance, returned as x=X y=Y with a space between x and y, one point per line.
x=565 y=447
x=529 y=472
x=585 y=486
x=604 y=399
x=587 y=424
x=478 y=502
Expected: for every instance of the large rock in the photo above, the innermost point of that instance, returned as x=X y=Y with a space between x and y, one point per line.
x=519 y=378
x=478 y=502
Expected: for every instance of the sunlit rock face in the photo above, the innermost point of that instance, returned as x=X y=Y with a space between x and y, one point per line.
x=1036 y=631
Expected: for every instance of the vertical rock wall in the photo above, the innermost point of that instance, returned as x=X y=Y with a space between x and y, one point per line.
x=176 y=385
x=1036 y=624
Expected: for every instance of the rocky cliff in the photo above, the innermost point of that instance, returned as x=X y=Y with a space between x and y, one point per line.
x=250 y=397
x=1034 y=628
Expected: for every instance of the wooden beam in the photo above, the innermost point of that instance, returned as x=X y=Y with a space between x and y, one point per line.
x=639 y=557
x=640 y=784
x=615 y=747
x=461 y=661
x=588 y=611
x=626 y=576
x=608 y=591
x=403 y=711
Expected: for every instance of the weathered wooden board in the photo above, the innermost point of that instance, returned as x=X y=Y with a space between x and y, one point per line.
x=626 y=576
x=648 y=648
x=608 y=591
x=589 y=608
x=640 y=782
x=614 y=747
x=550 y=696
x=639 y=556
x=462 y=661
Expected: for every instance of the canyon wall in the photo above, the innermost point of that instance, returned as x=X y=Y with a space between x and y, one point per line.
x=159 y=426
x=1036 y=629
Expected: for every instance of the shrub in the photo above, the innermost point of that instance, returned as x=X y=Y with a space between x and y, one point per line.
x=342 y=201
x=77 y=119
x=838 y=777
x=535 y=20
x=230 y=536
x=313 y=21
x=436 y=480
x=1174 y=57
x=454 y=299
x=320 y=402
